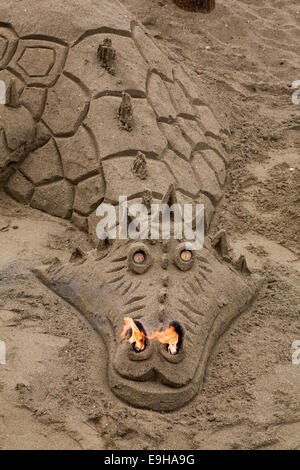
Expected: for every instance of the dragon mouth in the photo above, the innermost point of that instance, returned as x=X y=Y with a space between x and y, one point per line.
x=151 y=394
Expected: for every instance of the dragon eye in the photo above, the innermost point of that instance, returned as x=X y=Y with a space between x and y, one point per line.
x=183 y=258
x=186 y=256
x=139 y=257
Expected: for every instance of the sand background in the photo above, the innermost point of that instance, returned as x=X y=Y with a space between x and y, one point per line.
x=53 y=389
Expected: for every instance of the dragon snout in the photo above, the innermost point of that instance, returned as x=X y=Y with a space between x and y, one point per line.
x=157 y=376
x=145 y=356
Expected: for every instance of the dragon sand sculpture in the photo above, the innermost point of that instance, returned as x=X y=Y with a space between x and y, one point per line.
x=94 y=110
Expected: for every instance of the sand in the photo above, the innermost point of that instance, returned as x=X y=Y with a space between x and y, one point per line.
x=53 y=389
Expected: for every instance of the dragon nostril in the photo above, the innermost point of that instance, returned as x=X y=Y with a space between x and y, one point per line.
x=178 y=329
x=135 y=333
x=143 y=332
x=171 y=338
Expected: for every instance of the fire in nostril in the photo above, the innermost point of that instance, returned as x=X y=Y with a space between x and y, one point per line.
x=135 y=333
x=172 y=337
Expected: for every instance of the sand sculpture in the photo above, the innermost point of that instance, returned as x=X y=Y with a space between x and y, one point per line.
x=79 y=77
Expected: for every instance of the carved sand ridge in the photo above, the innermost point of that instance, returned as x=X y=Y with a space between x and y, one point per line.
x=75 y=90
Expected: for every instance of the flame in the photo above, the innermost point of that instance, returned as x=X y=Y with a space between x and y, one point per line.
x=168 y=336
x=137 y=338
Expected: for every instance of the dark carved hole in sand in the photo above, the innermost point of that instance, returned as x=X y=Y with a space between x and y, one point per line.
x=134 y=345
x=177 y=327
x=171 y=338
